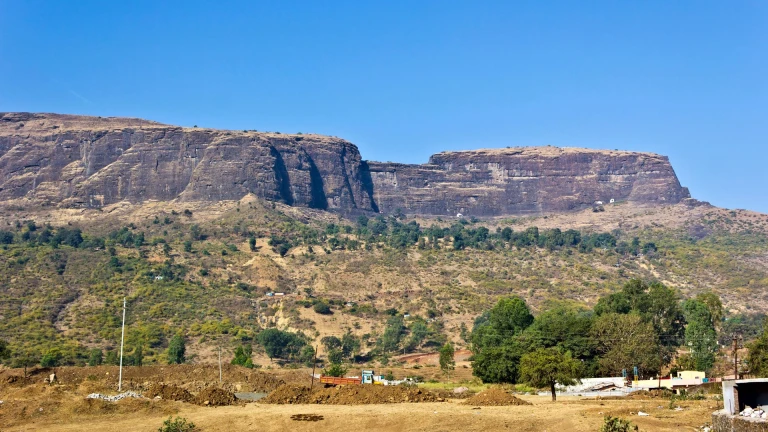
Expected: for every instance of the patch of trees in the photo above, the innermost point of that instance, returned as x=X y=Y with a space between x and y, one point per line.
x=642 y=325
x=33 y=234
x=285 y=345
x=463 y=234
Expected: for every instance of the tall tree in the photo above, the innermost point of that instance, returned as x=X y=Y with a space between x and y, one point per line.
x=700 y=335
x=714 y=305
x=447 y=362
x=654 y=303
x=758 y=353
x=546 y=367
x=176 y=350
x=624 y=341
x=390 y=340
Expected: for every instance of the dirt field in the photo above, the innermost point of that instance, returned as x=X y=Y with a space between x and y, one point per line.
x=570 y=414
x=33 y=404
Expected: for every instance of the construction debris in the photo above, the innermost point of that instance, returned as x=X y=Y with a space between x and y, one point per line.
x=753 y=413
x=113 y=398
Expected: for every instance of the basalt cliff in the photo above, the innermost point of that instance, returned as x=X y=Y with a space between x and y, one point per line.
x=67 y=160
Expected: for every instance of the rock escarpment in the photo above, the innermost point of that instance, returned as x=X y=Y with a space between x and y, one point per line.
x=88 y=161
x=92 y=161
x=525 y=180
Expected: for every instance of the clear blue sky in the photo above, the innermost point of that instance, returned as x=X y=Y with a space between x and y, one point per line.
x=405 y=79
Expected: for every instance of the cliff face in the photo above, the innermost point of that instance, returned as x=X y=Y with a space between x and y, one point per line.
x=88 y=161
x=72 y=160
x=524 y=180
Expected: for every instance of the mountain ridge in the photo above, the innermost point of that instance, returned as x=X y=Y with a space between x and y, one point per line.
x=81 y=161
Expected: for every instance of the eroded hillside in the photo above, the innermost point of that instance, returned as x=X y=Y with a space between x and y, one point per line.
x=207 y=269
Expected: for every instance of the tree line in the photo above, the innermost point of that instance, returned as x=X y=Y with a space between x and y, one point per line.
x=643 y=325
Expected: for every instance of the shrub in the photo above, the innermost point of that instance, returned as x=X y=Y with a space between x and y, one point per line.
x=336 y=370
x=179 y=424
x=322 y=308
x=615 y=424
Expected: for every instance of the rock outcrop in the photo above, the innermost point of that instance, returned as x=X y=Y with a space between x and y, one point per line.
x=88 y=161
x=92 y=161
x=524 y=180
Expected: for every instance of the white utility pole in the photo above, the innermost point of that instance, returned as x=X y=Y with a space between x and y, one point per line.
x=122 y=340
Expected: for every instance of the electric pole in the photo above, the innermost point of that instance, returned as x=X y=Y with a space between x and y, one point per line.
x=122 y=341
x=735 y=357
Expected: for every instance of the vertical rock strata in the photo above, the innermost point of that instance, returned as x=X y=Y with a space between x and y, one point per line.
x=88 y=161
x=98 y=161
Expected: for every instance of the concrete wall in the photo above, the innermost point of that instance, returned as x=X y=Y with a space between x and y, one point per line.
x=724 y=422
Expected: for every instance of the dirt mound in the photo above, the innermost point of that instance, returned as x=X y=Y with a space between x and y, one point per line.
x=193 y=378
x=450 y=394
x=214 y=396
x=350 y=395
x=494 y=397
x=168 y=392
x=641 y=395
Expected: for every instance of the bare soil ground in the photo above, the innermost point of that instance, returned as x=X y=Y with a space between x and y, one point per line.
x=32 y=404
x=570 y=414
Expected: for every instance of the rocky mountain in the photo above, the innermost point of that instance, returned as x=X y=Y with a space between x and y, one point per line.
x=73 y=161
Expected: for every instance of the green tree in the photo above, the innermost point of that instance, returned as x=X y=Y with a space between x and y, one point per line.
x=350 y=345
x=187 y=246
x=243 y=356
x=419 y=332
x=24 y=358
x=497 y=364
x=447 y=362
x=654 y=303
x=700 y=334
x=507 y=318
x=137 y=358
x=252 y=243
x=546 y=367
x=390 y=340
x=335 y=370
x=564 y=327
x=112 y=358
x=331 y=342
x=5 y=351
x=280 y=344
x=176 y=350
x=714 y=305
x=322 y=308
x=96 y=357
x=624 y=341
x=758 y=353
x=51 y=358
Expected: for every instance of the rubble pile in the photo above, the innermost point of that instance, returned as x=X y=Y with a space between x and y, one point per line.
x=168 y=392
x=753 y=413
x=214 y=396
x=114 y=398
x=495 y=397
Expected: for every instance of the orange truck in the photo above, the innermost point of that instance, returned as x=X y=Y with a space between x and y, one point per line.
x=334 y=381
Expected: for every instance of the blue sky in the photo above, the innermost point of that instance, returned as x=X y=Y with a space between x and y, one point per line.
x=406 y=79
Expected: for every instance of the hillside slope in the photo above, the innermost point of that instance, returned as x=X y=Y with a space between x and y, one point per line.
x=190 y=266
